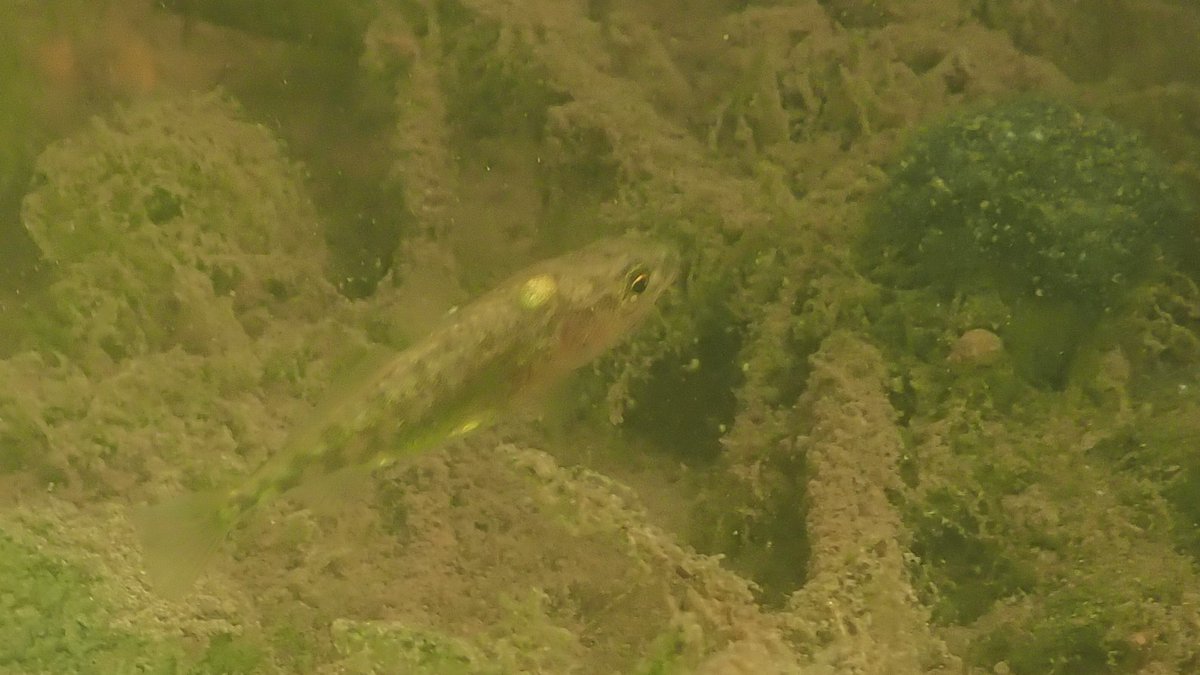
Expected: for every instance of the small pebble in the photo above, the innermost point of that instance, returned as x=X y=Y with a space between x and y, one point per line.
x=976 y=347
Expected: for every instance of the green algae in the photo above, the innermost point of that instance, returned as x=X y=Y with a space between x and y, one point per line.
x=1032 y=198
x=1061 y=212
x=373 y=647
x=51 y=621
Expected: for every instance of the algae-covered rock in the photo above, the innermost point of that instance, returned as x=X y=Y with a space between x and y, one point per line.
x=50 y=621
x=392 y=647
x=184 y=176
x=1057 y=213
x=1031 y=197
x=174 y=223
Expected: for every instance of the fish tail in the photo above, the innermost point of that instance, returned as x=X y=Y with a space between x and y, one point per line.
x=179 y=537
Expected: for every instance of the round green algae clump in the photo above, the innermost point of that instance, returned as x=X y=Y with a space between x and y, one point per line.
x=1031 y=198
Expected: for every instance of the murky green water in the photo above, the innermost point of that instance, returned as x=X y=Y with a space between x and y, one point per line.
x=922 y=399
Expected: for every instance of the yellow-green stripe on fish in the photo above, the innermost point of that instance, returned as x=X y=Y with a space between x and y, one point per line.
x=507 y=346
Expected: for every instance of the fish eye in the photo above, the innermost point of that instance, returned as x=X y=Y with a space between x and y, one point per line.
x=637 y=281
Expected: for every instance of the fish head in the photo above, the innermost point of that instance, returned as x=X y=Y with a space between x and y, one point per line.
x=603 y=292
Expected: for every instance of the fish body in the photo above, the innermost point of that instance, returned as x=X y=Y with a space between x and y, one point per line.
x=503 y=348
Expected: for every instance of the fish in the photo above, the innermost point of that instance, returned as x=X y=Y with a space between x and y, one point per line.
x=504 y=349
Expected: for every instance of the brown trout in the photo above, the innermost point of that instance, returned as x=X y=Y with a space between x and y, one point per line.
x=505 y=347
